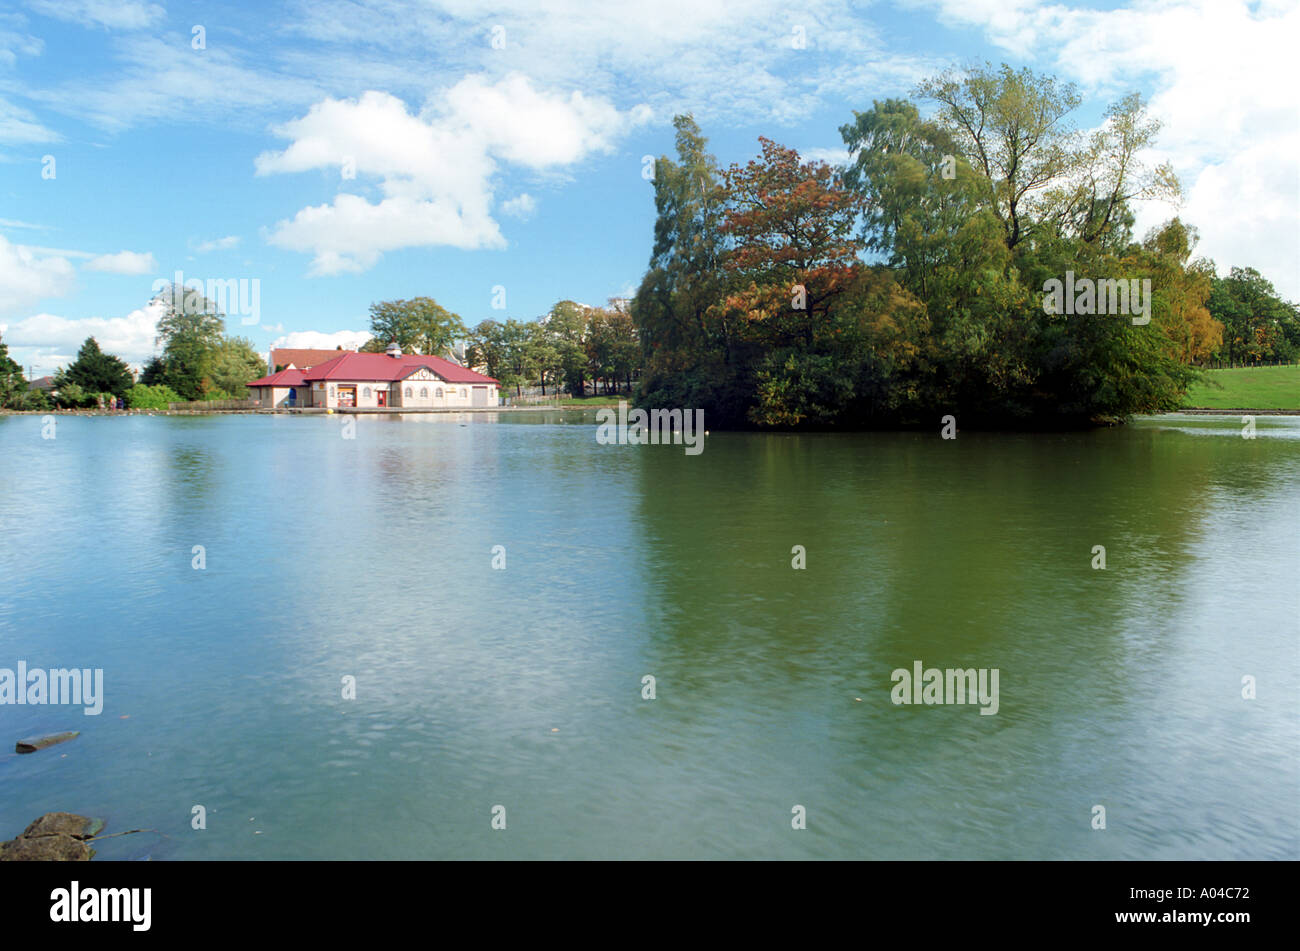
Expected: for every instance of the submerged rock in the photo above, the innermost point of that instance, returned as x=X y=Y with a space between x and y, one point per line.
x=32 y=744
x=54 y=837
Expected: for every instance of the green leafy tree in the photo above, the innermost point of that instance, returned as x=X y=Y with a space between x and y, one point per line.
x=190 y=330
x=235 y=363
x=13 y=386
x=97 y=372
x=419 y=325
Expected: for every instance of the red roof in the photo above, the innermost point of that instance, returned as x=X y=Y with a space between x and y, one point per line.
x=371 y=367
x=283 y=378
x=302 y=358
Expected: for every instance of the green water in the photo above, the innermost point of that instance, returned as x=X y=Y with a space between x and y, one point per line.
x=372 y=558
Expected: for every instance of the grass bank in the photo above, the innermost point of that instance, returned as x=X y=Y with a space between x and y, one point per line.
x=1248 y=388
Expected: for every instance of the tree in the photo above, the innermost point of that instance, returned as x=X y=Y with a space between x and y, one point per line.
x=1258 y=324
x=685 y=278
x=96 y=372
x=13 y=386
x=419 y=325
x=235 y=363
x=1011 y=127
x=190 y=331
x=566 y=325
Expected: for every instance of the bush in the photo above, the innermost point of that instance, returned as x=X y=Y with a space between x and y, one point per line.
x=72 y=396
x=30 y=400
x=151 y=397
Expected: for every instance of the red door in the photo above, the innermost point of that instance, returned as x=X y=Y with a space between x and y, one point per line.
x=383 y=397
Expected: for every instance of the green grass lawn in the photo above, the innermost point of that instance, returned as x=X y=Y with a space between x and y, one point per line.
x=1261 y=388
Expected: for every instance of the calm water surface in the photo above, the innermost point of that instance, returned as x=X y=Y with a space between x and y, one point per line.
x=372 y=557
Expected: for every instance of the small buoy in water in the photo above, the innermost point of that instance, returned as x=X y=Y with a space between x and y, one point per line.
x=858 y=699
x=555 y=729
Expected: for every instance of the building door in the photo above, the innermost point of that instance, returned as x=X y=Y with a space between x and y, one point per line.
x=382 y=396
x=347 y=396
x=293 y=396
x=480 y=396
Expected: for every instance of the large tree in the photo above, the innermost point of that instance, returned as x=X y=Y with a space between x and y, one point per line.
x=190 y=330
x=13 y=386
x=234 y=363
x=418 y=325
x=97 y=372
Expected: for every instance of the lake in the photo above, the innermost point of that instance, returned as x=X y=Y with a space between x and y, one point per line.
x=476 y=686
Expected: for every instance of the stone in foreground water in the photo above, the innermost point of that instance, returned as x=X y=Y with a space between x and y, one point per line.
x=54 y=837
x=34 y=743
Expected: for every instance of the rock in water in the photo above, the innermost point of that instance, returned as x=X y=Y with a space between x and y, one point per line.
x=32 y=744
x=54 y=837
x=64 y=823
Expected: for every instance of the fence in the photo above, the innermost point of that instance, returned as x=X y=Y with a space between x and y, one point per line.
x=1245 y=364
x=215 y=405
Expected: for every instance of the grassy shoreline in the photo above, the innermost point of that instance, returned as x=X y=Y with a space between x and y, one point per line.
x=1247 y=389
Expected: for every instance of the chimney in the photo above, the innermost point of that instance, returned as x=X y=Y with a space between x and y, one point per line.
x=394 y=350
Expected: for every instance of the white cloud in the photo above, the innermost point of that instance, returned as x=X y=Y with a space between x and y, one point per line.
x=315 y=340
x=436 y=170
x=116 y=14
x=47 y=341
x=831 y=156
x=18 y=126
x=1223 y=75
x=522 y=206
x=124 y=262
x=28 y=274
x=218 y=244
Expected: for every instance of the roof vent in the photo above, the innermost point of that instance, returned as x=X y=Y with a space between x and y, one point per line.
x=394 y=350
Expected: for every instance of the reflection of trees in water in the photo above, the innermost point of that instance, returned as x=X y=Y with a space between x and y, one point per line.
x=968 y=553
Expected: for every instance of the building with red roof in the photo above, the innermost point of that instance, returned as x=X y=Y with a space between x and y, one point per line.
x=372 y=380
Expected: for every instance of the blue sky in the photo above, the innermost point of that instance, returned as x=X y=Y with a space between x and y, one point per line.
x=346 y=151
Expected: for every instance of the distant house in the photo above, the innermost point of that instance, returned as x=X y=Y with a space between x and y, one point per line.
x=392 y=379
x=301 y=358
x=45 y=383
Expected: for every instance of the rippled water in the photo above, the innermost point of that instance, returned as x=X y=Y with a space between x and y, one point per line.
x=372 y=557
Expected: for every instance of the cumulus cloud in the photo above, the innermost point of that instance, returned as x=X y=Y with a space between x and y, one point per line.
x=124 y=262
x=1223 y=76
x=831 y=156
x=315 y=340
x=218 y=244
x=521 y=206
x=28 y=275
x=47 y=341
x=436 y=170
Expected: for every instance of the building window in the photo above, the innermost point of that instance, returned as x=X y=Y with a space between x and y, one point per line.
x=408 y=391
x=366 y=392
x=462 y=393
x=439 y=393
x=424 y=391
x=331 y=392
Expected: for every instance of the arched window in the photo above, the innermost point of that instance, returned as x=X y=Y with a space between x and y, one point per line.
x=424 y=391
x=462 y=392
x=332 y=391
x=408 y=391
x=366 y=392
x=438 y=393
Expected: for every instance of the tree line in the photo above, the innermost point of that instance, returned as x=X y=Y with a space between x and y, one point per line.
x=909 y=284
x=198 y=361
x=568 y=348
